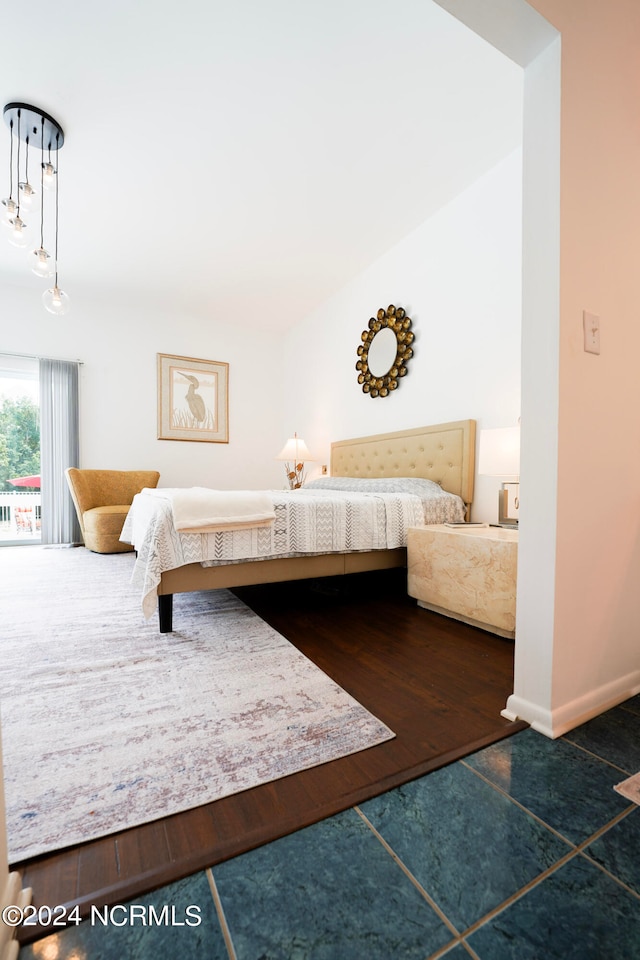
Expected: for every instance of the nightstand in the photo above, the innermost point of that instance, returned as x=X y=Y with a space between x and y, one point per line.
x=468 y=573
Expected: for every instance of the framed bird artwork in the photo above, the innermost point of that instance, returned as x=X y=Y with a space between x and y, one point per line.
x=193 y=399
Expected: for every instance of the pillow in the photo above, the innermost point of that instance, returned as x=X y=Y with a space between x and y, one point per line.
x=439 y=506
x=420 y=487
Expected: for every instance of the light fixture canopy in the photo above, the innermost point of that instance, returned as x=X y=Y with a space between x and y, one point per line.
x=33 y=122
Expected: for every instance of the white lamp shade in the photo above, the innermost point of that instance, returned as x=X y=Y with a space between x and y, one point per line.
x=499 y=454
x=295 y=450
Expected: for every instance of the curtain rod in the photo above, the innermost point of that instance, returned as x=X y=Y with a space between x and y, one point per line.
x=32 y=356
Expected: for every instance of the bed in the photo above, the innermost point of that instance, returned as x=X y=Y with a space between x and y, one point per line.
x=171 y=561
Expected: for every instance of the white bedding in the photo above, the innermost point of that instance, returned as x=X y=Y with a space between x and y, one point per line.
x=199 y=509
x=312 y=520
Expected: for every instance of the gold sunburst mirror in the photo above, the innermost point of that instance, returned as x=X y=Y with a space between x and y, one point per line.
x=385 y=351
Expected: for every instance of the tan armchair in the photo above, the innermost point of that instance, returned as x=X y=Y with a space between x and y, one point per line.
x=102 y=499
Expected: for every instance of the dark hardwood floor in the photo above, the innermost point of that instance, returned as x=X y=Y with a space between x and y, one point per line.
x=439 y=685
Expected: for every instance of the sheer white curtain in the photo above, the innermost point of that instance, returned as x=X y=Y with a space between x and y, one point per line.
x=59 y=449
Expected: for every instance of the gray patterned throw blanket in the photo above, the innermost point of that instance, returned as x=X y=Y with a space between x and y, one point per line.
x=316 y=519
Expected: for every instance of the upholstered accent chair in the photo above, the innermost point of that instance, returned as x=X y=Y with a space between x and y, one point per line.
x=102 y=499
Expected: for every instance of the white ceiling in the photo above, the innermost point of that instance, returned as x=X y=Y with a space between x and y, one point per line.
x=248 y=157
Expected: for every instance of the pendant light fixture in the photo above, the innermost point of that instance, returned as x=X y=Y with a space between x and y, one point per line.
x=40 y=260
x=35 y=127
x=10 y=205
x=16 y=225
x=25 y=191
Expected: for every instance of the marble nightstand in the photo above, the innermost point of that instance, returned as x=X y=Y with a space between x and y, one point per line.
x=468 y=573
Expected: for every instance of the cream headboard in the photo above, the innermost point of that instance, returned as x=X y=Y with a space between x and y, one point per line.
x=444 y=452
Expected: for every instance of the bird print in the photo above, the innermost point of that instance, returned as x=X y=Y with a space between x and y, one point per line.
x=194 y=400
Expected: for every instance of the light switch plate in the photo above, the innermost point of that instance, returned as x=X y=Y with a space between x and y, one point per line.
x=591 y=326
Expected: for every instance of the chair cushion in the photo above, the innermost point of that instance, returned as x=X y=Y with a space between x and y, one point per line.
x=102 y=529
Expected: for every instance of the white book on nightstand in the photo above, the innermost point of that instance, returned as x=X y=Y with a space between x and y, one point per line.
x=463 y=523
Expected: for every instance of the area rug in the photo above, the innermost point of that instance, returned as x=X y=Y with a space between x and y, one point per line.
x=630 y=788
x=108 y=724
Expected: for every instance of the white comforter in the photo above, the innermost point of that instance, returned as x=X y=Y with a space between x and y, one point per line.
x=306 y=522
x=199 y=509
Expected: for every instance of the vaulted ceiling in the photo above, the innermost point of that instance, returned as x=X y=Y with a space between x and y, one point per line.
x=248 y=157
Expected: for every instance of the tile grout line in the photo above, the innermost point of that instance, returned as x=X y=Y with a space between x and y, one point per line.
x=448 y=947
x=421 y=890
x=611 y=876
x=596 y=836
x=577 y=846
x=628 y=709
x=521 y=806
x=578 y=850
x=603 y=829
x=222 y=920
x=571 y=855
x=597 y=756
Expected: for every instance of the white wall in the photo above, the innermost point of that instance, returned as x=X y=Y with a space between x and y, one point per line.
x=118 y=392
x=596 y=656
x=577 y=649
x=459 y=278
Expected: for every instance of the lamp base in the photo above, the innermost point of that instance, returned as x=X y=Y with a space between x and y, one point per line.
x=508 y=505
x=295 y=475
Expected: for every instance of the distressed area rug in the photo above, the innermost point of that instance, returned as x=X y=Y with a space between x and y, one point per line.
x=630 y=788
x=107 y=724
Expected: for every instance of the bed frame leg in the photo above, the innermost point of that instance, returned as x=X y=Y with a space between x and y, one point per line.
x=165 y=612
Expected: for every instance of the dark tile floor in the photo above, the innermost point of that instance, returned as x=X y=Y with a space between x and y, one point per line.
x=521 y=851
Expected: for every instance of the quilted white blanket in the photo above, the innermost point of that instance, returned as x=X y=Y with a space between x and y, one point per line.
x=202 y=509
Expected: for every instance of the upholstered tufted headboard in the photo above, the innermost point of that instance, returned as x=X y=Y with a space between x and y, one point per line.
x=444 y=452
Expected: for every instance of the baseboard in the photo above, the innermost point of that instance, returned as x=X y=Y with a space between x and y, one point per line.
x=555 y=723
x=13 y=895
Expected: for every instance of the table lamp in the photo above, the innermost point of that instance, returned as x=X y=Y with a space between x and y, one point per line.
x=294 y=453
x=499 y=456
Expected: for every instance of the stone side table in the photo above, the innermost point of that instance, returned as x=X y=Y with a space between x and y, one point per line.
x=468 y=573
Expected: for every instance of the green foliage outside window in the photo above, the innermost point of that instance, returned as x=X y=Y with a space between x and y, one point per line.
x=19 y=440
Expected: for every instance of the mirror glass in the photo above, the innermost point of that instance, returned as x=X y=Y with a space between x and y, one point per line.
x=382 y=352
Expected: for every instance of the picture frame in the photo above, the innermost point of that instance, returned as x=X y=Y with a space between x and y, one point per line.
x=193 y=399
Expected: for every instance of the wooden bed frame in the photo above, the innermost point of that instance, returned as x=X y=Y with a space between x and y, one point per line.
x=443 y=452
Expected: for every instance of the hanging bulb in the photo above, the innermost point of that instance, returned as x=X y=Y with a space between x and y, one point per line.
x=17 y=232
x=48 y=175
x=10 y=209
x=41 y=263
x=27 y=194
x=56 y=301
